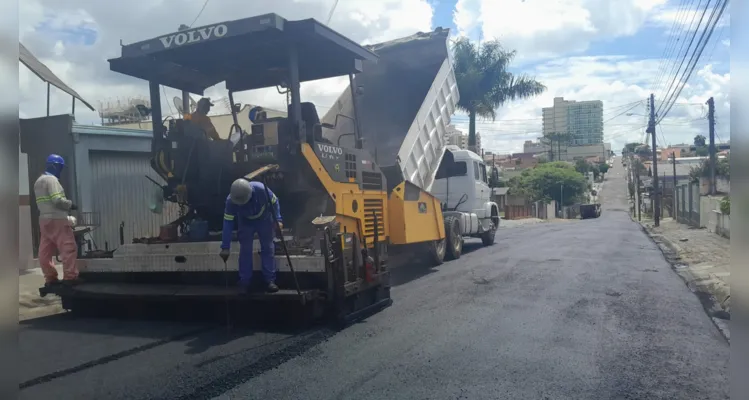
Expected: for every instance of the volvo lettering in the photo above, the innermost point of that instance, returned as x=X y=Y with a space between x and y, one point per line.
x=197 y=35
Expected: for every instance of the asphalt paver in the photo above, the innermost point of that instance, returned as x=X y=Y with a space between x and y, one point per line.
x=579 y=310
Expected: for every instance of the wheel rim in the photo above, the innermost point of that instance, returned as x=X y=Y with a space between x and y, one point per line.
x=456 y=239
x=440 y=248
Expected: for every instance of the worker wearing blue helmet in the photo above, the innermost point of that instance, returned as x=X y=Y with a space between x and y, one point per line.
x=256 y=210
x=56 y=230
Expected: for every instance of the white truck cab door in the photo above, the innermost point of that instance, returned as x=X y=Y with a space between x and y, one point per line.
x=482 y=191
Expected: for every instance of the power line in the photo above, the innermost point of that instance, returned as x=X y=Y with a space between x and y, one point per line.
x=684 y=57
x=619 y=115
x=199 y=13
x=330 y=14
x=670 y=46
x=696 y=55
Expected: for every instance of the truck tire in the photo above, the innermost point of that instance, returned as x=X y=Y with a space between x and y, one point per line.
x=487 y=238
x=453 y=238
x=435 y=252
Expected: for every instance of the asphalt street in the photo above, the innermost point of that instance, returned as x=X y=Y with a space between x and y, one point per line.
x=560 y=310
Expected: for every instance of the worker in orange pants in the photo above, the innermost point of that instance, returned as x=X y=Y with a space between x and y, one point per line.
x=55 y=229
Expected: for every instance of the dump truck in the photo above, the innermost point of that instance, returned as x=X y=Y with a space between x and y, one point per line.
x=371 y=178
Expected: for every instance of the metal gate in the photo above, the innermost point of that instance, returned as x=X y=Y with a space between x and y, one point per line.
x=121 y=195
x=688 y=204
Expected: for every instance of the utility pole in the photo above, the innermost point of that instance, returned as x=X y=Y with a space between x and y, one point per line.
x=637 y=194
x=663 y=207
x=656 y=194
x=711 y=149
x=673 y=163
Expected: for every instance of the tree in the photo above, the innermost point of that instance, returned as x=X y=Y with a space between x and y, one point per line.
x=550 y=181
x=630 y=148
x=582 y=166
x=699 y=141
x=701 y=151
x=722 y=169
x=603 y=167
x=484 y=82
x=643 y=151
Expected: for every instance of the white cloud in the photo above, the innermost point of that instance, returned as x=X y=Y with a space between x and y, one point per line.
x=560 y=29
x=45 y=27
x=542 y=29
x=616 y=81
x=686 y=19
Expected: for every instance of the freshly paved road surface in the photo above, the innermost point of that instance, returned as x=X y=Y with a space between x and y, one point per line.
x=566 y=310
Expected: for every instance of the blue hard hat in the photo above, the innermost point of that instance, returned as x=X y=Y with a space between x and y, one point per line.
x=55 y=159
x=253 y=113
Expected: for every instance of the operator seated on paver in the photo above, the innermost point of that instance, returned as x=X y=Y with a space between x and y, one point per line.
x=248 y=204
x=56 y=230
x=200 y=118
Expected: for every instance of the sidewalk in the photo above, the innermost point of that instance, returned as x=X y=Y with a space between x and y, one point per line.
x=30 y=305
x=702 y=259
x=513 y=223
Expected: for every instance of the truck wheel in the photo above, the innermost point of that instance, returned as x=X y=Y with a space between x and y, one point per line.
x=435 y=252
x=487 y=238
x=453 y=238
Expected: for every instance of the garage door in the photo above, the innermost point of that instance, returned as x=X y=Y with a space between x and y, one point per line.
x=121 y=195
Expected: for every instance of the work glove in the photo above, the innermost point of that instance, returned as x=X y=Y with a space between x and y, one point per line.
x=280 y=226
x=224 y=254
x=73 y=207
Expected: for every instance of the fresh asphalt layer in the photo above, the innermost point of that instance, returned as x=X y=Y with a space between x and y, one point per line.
x=560 y=310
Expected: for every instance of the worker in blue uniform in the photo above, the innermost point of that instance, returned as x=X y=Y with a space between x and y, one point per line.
x=247 y=203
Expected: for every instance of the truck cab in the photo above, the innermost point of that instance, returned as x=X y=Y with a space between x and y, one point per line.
x=462 y=186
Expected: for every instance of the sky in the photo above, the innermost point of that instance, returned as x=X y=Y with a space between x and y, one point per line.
x=618 y=52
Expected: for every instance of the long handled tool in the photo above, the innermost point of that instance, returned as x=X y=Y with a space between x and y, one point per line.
x=252 y=175
x=280 y=236
x=226 y=296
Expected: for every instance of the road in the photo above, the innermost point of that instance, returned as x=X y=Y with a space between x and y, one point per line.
x=560 y=310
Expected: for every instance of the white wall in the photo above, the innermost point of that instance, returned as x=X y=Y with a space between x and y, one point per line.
x=23 y=172
x=25 y=244
x=711 y=217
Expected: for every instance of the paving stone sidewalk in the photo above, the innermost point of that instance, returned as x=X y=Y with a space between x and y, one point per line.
x=702 y=259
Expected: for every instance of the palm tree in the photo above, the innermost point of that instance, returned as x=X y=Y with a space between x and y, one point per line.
x=484 y=82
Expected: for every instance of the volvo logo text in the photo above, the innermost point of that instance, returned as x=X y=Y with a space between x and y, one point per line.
x=198 y=35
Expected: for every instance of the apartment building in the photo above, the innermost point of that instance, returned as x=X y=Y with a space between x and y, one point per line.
x=582 y=120
x=456 y=137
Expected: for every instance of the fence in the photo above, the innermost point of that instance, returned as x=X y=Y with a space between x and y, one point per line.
x=536 y=209
x=688 y=204
x=518 y=212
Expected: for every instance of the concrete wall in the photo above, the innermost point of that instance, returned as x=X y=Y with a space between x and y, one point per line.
x=25 y=244
x=77 y=144
x=39 y=138
x=711 y=217
x=722 y=185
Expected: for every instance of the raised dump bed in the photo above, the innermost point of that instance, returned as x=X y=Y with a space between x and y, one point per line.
x=405 y=101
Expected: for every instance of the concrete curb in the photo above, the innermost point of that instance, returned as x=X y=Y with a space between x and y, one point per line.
x=714 y=295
